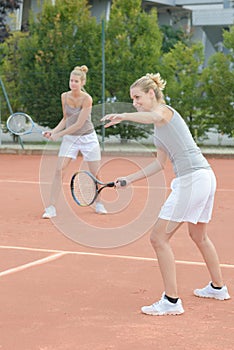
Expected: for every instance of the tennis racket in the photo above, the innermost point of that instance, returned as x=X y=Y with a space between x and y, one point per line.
x=85 y=188
x=21 y=124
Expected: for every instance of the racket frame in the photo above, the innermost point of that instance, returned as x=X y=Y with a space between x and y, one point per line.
x=25 y=132
x=96 y=182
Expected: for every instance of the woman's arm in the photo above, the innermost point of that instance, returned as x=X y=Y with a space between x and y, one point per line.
x=138 y=117
x=159 y=116
x=84 y=114
x=60 y=126
x=157 y=165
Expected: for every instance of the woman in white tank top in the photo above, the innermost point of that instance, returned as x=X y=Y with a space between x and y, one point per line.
x=78 y=135
x=192 y=191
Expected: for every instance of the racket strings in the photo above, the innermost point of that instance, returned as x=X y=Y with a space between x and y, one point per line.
x=84 y=189
x=20 y=124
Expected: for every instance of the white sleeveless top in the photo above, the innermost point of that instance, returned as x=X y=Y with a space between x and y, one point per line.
x=72 y=115
x=176 y=140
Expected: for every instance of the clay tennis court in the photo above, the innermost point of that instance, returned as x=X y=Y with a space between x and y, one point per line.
x=59 y=294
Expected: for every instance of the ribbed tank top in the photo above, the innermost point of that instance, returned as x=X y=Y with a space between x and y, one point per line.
x=72 y=115
x=176 y=140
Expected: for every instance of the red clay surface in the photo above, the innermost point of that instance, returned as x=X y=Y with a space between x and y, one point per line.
x=59 y=295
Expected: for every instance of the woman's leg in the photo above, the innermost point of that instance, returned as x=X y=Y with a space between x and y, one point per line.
x=94 y=168
x=198 y=233
x=62 y=164
x=160 y=238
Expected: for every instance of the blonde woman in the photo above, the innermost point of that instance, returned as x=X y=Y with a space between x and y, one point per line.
x=192 y=191
x=77 y=130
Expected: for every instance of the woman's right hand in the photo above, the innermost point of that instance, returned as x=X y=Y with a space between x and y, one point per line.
x=122 y=182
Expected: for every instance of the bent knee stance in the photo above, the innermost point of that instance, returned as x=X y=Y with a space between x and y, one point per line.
x=197 y=233
x=58 y=173
x=200 y=240
x=153 y=239
x=157 y=239
x=160 y=235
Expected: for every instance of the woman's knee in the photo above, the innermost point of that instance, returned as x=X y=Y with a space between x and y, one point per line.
x=160 y=234
x=157 y=238
x=153 y=238
x=197 y=233
x=61 y=166
x=58 y=172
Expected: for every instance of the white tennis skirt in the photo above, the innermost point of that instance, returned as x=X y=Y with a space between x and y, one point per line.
x=88 y=145
x=191 y=199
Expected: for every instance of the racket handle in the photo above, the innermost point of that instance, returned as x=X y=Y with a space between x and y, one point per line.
x=123 y=183
x=45 y=132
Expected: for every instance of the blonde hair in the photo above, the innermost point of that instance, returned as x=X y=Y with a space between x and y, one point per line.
x=80 y=71
x=151 y=81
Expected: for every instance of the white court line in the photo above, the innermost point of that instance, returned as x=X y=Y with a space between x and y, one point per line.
x=116 y=256
x=67 y=184
x=23 y=182
x=33 y=263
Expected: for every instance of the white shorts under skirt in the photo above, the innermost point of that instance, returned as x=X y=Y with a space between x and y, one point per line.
x=88 y=145
x=191 y=199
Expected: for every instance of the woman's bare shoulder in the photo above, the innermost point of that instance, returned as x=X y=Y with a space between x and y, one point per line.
x=87 y=98
x=64 y=94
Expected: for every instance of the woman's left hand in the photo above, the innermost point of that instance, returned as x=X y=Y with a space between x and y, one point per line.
x=113 y=119
x=54 y=137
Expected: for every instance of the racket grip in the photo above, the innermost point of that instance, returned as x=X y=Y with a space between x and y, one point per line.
x=123 y=183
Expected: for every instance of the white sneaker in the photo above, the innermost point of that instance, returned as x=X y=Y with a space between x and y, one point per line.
x=163 y=307
x=209 y=292
x=49 y=213
x=100 y=209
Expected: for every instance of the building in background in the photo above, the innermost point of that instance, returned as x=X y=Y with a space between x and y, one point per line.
x=205 y=18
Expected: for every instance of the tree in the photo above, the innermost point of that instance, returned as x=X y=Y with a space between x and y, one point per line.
x=228 y=37
x=218 y=86
x=5 y=8
x=9 y=72
x=62 y=36
x=182 y=70
x=133 y=46
x=172 y=36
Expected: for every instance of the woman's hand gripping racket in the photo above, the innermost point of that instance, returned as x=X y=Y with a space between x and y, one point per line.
x=85 y=188
x=22 y=124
